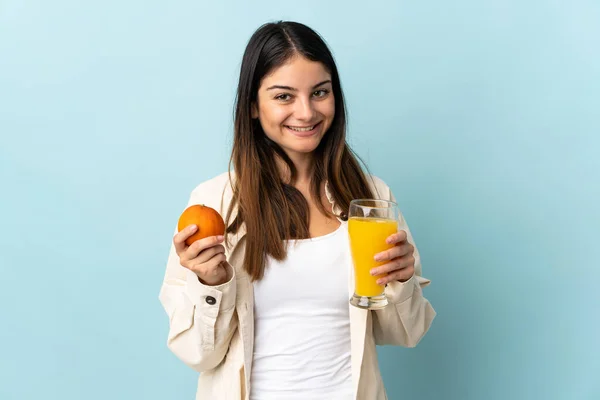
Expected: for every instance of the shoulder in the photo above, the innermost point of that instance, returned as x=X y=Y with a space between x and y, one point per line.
x=219 y=181
x=214 y=192
x=379 y=188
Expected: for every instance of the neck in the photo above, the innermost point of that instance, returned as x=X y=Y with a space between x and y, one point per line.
x=303 y=164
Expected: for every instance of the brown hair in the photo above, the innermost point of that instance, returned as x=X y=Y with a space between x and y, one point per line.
x=271 y=209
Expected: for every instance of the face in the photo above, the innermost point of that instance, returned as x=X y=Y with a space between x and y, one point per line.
x=296 y=106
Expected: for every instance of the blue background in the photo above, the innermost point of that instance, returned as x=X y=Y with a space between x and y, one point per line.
x=481 y=115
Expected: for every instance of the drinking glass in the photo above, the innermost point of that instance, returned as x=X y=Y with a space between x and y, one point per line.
x=370 y=222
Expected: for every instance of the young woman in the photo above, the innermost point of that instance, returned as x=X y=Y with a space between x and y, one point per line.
x=263 y=312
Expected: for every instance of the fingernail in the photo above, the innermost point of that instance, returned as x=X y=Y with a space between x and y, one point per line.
x=193 y=228
x=373 y=272
x=220 y=237
x=378 y=257
x=380 y=281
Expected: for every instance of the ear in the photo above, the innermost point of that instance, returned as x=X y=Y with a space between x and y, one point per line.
x=254 y=111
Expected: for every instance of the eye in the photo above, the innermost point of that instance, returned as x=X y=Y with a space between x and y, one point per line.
x=321 y=93
x=283 y=97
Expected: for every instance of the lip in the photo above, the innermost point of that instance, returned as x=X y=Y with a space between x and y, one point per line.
x=305 y=134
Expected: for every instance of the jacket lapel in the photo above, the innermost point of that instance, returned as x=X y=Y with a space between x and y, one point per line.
x=235 y=249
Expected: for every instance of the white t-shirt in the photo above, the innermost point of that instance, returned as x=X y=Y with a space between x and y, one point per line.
x=302 y=323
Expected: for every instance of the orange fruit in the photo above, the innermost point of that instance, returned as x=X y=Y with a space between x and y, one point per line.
x=207 y=219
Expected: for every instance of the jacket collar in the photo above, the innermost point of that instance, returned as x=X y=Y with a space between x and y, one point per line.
x=334 y=207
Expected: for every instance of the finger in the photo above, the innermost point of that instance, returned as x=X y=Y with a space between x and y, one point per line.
x=390 y=254
x=180 y=237
x=210 y=268
x=397 y=251
x=200 y=245
x=209 y=253
x=400 y=263
x=401 y=275
x=397 y=237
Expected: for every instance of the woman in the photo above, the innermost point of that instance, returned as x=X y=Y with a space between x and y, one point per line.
x=263 y=312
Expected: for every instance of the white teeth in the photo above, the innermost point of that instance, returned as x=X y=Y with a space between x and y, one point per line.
x=310 y=128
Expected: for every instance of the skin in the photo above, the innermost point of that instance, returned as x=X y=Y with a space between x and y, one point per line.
x=205 y=257
x=297 y=95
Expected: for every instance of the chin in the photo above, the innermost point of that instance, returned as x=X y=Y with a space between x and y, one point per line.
x=307 y=150
x=305 y=147
x=297 y=150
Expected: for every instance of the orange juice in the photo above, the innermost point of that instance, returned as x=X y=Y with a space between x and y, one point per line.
x=367 y=238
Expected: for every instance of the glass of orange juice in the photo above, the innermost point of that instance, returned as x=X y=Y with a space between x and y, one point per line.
x=370 y=222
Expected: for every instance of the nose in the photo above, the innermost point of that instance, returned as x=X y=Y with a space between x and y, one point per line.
x=305 y=110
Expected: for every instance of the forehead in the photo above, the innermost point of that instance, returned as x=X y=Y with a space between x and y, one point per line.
x=299 y=72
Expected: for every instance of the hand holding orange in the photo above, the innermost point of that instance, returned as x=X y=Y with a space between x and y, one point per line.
x=198 y=244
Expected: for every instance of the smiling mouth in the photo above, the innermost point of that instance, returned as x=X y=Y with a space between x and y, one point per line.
x=302 y=128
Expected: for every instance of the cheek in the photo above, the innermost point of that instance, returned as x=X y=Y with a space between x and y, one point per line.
x=272 y=116
x=329 y=108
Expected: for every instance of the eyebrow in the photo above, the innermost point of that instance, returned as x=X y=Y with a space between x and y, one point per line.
x=294 y=89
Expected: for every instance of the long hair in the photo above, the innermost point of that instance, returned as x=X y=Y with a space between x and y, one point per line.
x=271 y=209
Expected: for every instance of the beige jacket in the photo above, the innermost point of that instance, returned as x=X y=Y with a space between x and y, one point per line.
x=212 y=328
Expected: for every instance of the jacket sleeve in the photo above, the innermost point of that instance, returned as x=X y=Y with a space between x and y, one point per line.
x=202 y=319
x=408 y=315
